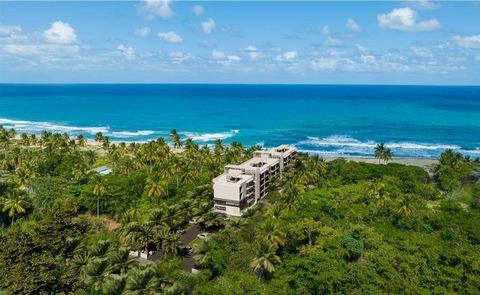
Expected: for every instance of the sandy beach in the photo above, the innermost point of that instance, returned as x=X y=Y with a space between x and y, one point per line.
x=425 y=163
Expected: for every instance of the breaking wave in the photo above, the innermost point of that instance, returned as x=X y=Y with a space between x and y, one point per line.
x=206 y=137
x=37 y=127
x=340 y=145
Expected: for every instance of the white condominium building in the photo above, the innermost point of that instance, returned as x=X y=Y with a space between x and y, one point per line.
x=241 y=186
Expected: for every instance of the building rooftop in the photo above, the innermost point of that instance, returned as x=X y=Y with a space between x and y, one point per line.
x=233 y=177
x=102 y=170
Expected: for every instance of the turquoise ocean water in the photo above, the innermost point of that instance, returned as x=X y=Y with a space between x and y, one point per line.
x=414 y=121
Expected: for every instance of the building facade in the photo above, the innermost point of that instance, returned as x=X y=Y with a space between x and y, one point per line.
x=242 y=186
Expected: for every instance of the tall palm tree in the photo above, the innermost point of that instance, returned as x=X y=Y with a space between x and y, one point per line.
x=81 y=141
x=265 y=258
x=155 y=188
x=78 y=174
x=25 y=139
x=169 y=242
x=143 y=280
x=115 y=284
x=272 y=233
x=96 y=271
x=14 y=204
x=380 y=151
x=175 y=137
x=387 y=155
x=99 y=190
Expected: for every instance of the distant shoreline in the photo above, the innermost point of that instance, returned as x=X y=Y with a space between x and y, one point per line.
x=425 y=163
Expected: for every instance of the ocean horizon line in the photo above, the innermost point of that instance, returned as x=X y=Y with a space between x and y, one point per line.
x=236 y=84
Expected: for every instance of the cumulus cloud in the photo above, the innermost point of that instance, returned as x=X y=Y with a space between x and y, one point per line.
x=324 y=64
x=224 y=59
x=208 y=26
x=406 y=19
x=170 y=37
x=142 y=32
x=352 y=25
x=9 y=31
x=330 y=41
x=252 y=52
x=287 y=55
x=197 y=9
x=467 y=41
x=178 y=56
x=152 y=9
x=60 y=33
x=127 y=52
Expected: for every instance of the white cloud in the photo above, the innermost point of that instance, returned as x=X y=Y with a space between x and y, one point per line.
x=422 y=52
x=208 y=26
x=9 y=31
x=197 y=9
x=287 y=55
x=60 y=33
x=330 y=41
x=422 y=4
x=217 y=54
x=368 y=59
x=252 y=52
x=42 y=50
x=352 y=25
x=178 y=56
x=224 y=59
x=325 y=30
x=324 y=64
x=467 y=41
x=152 y=9
x=128 y=52
x=170 y=37
x=142 y=32
x=406 y=19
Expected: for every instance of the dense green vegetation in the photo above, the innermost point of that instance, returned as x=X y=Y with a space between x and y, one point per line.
x=325 y=227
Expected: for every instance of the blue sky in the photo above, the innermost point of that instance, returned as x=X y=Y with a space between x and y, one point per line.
x=162 y=41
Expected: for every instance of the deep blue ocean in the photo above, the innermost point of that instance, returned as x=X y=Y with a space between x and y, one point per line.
x=414 y=121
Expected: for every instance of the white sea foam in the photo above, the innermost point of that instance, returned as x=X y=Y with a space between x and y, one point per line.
x=346 y=141
x=205 y=137
x=37 y=127
x=129 y=134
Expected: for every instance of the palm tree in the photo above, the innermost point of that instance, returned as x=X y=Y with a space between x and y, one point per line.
x=175 y=137
x=293 y=194
x=15 y=203
x=405 y=205
x=96 y=271
x=143 y=280
x=25 y=139
x=98 y=137
x=169 y=242
x=155 y=188
x=265 y=259
x=99 y=190
x=272 y=233
x=78 y=174
x=81 y=141
x=115 y=284
x=380 y=151
x=387 y=155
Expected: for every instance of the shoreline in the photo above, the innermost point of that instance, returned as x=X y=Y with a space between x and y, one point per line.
x=425 y=163
x=420 y=162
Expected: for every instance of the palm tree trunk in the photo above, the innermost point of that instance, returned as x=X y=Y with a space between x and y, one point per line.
x=98 y=206
x=13 y=219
